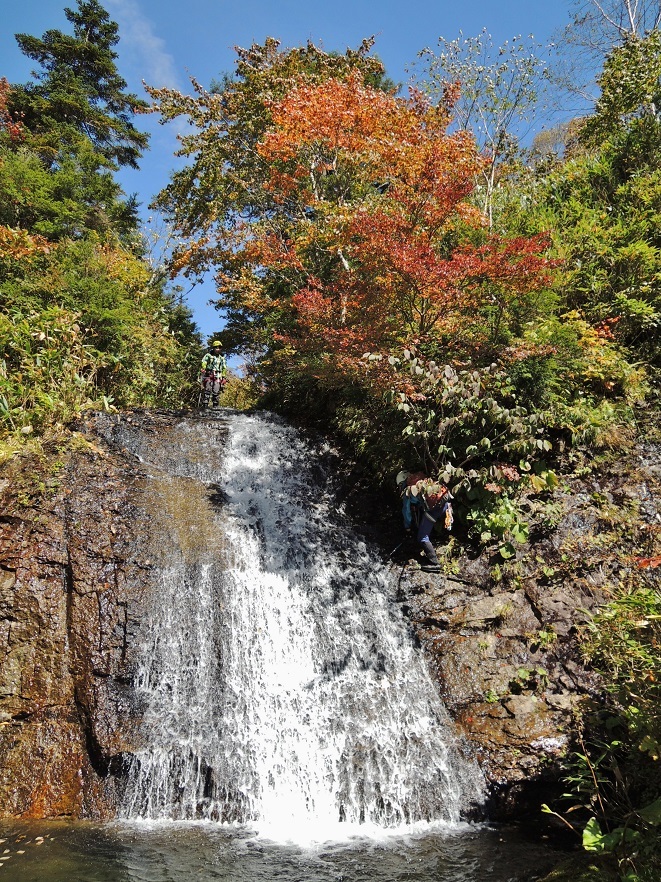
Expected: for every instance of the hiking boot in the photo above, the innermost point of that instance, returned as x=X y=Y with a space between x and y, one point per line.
x=430 y=567
x=430 y=555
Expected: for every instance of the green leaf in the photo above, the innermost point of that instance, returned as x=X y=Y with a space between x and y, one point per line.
x=651 y=746
x=520 y=533
x=652 y=812
x=593 y=838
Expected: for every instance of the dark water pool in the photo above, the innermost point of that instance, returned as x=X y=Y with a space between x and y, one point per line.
x=82 y=852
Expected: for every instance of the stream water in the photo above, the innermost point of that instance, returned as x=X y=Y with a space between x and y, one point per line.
x=290 y=728
x=206 y=852
x=279 y=681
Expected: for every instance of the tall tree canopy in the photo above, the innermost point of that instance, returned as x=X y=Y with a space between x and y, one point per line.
x=84 y=319
x=499 y=93
x=337 y=216
x=596 y=28
x=78 y=91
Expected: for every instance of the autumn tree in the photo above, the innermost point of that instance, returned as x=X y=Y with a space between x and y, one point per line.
x=335 y=214
x=396 y=249
x=223 y=180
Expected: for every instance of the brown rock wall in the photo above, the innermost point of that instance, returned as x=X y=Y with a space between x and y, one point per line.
x=70 y=583
x=503 y=638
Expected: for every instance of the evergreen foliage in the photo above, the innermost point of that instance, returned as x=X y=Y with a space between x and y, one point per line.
x=85 y=320
x=78 y=95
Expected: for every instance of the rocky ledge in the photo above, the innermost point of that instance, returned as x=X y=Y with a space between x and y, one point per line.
x=503 y=637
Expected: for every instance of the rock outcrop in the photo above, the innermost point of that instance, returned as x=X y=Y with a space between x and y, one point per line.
x=502 y=636
x=76 y=574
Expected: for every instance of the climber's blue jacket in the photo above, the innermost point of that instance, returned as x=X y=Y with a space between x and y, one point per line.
x=407 y=514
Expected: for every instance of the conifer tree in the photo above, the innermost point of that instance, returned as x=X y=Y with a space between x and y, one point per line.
x=85 y=321
x=78 y=91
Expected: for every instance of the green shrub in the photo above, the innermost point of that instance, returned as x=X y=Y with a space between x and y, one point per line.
x=614 y=780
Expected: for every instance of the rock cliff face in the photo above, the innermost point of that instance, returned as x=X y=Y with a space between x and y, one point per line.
x=76 y=574
x=507 y=664
x=75 y=578
x=502 y=637
x=67 y=575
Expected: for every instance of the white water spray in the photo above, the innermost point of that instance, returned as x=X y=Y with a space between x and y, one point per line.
x=279 y=682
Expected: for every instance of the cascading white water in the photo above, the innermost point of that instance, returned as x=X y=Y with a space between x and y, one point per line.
x=279 y=682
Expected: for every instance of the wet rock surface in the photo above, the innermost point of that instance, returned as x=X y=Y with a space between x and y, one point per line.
x=514 y=696
x=76 y=575
x=502 y=637
x=75 y=578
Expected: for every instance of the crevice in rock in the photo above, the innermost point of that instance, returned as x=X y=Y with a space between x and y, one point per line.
x=22 y=716
x=537 y=612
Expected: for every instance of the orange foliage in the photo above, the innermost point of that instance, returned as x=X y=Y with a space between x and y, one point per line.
x=387 y=190
x=648 y=563
x=19 y=245
x=14 y=128
x=403 y=142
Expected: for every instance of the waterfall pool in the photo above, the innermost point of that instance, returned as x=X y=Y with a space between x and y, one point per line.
x=288 y=726
x=206 y=852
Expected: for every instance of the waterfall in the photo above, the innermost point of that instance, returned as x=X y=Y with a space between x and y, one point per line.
x=278 y=680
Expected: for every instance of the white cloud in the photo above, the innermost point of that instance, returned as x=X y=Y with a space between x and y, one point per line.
x=142 y=48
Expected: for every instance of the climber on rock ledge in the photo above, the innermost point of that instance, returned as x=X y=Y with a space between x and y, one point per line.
x=213 y=375
x=424 y=504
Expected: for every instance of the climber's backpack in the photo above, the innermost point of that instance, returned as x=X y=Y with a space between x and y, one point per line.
x=414 y=478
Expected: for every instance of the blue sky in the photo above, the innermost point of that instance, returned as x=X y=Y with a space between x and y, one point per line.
x=165 y=43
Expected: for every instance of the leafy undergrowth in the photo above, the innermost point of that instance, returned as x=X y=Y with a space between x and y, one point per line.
x=613 y=780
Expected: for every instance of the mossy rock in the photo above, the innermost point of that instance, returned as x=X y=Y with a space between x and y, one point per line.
x=575 y=870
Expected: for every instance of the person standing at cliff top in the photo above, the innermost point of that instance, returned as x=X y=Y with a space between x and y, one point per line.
x=425 y=503
x=213 y=374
